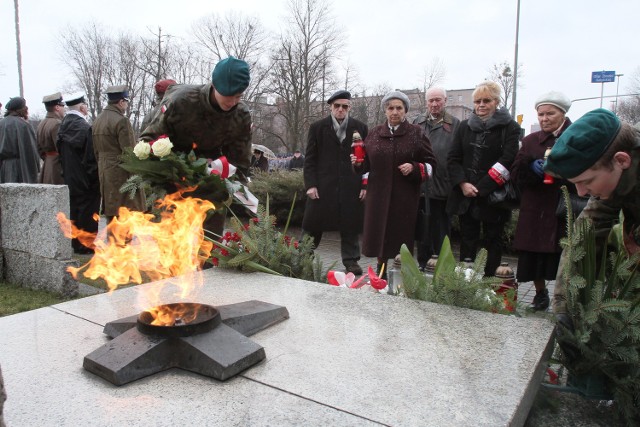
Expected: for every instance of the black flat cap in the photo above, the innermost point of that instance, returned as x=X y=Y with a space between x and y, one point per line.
x=341 y=94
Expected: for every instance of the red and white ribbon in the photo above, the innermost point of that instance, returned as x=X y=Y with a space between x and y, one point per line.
x=222 y=167
x=499 y=173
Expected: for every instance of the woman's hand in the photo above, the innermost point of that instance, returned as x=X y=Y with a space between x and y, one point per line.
x=468 y=189
x=353 y=159
x=405 y=168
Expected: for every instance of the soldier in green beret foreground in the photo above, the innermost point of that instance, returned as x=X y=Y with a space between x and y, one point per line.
x=601 y=156
x=210 y=119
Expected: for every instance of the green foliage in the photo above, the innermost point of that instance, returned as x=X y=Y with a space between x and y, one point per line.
x=259 y=246
x=454 y=284
x=603 y=301
x=280 y=186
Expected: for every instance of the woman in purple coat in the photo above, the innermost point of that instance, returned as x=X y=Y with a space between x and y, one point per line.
x=398 y=158
x=539 y=230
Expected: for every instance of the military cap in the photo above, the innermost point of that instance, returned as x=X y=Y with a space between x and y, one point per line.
x=583 y=143
x=53 y=99
x=76 y=99
x=16 y=103
x=115 y=93
x=396 y=94
x=162 y=86
x=230 y=76
x=341 y=94
x=557 y=99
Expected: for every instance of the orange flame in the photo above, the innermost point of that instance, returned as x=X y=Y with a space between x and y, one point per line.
x=135 y=243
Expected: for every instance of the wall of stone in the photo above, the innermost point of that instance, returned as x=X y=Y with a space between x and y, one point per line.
x=34 y=251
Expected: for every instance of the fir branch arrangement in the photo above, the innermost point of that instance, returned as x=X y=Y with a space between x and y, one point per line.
x=603 y=301
x=259 y=246
x=455 y=284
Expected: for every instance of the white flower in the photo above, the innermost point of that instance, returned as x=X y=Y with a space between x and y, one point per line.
x=162 y=147
x=142 y=150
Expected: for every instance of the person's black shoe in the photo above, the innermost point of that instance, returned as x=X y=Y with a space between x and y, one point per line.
x=354 y=268
x=540 y=300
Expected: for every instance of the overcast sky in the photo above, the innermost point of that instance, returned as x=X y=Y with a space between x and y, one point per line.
x=390 y=42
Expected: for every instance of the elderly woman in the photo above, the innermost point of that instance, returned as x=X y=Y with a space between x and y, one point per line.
x=484 y=148
x=539 y=229
x=398 y=158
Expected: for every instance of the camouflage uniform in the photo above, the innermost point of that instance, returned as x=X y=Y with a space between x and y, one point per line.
x=605 y=214
x=188 y=118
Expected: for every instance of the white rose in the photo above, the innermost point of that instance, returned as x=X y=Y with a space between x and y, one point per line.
x=142 y=150
x=162 y=147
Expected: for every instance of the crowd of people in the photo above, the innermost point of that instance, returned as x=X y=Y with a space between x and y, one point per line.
x=397 y=183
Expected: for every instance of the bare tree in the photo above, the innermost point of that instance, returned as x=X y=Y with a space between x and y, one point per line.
x=155 y=55
x=86 y=52
x=502 y=74
x=18 y=47
x=628 y=108
x=301 y=64
x=238 y=35
x=432 y=75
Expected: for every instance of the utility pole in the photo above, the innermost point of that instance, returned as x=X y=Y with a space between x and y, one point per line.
x=515 y=65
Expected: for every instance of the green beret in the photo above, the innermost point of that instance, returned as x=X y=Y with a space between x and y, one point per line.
x=230 y=76
x=582 y=143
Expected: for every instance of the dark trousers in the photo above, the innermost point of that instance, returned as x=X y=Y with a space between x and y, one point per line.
x=438 y=226
x=81 y=210
x=493 y=231
x=349 y=245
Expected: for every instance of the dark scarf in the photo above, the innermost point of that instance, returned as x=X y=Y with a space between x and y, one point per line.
x=500 y=118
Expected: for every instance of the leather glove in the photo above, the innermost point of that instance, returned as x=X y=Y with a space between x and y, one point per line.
x=536 y=167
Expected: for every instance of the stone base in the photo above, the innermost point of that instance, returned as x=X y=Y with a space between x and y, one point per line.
x=37 y=272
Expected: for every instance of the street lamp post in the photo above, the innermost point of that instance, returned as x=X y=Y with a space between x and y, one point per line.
x=617 y=87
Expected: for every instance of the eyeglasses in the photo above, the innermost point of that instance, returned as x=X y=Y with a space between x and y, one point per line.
x=343 y=106
x=483 y=101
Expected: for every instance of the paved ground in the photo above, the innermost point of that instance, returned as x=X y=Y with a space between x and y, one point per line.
x=329 y=253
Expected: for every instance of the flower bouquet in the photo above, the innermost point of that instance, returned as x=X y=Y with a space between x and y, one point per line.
x=158 y=170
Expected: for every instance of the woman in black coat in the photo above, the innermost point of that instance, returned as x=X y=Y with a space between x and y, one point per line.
x=484 y=148
x=539 y=230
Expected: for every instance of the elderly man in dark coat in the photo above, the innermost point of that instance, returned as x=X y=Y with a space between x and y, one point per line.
x=112 y=133
x=334 y=191
x=47 y=135
x=19 y=161
x=79 y=168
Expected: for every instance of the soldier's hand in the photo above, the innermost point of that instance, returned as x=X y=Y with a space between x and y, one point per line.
x=312 y=193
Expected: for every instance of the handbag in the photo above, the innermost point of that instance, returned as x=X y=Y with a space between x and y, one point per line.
x=505 y=197
x=577 y=205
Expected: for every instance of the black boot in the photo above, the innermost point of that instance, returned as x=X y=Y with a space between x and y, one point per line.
x=540 y=300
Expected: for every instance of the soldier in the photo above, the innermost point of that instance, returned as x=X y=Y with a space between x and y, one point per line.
x=211 y=120
x=601 y=156
x=47 y=135
x=112 y=133
x=160 y=88
x=79 y=168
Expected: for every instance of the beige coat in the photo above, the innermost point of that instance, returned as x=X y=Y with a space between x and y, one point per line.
x=47 y=135
x=112 y=133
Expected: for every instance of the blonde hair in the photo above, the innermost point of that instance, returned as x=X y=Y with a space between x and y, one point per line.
x=489 y=87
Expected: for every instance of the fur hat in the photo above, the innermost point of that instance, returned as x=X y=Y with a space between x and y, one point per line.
x=557 y=99
x=396 y=94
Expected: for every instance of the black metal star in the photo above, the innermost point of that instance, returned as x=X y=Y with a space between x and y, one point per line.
x=220 y=353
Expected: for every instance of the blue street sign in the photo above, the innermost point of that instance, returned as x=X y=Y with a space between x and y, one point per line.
x=603 y=76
